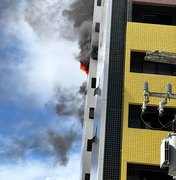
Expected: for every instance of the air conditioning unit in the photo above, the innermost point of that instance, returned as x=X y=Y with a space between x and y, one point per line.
x=164 y=153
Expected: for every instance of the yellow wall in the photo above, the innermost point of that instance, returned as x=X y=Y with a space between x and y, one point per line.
x=139 y=145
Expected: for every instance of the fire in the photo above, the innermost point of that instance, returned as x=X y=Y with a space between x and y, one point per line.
x=84 y=68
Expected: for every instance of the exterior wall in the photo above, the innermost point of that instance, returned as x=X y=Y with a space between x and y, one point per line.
x=143 y=146
x=90 y=102
x=107 y=123
x=101 y=101
x=88 y=123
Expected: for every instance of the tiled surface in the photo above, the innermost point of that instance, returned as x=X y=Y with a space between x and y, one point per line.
x=143 y=146
x=112 y=147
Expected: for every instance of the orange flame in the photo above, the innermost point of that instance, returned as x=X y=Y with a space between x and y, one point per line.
x=84 y=68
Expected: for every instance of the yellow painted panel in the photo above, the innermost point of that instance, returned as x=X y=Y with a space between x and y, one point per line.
x=134 y=87
x=151 y=37
x=142 y=146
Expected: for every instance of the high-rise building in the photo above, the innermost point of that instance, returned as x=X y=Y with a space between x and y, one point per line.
x=120 y=143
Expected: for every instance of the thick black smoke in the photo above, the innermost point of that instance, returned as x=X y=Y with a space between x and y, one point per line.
x=61 y=145
x=80 y=14
x=82 y=89
x=84 y=42
x=71 y=104
x=49 y=144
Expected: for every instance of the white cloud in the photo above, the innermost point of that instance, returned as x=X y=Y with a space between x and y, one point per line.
x=52 y=64
x=34 y=170
x=49 y=59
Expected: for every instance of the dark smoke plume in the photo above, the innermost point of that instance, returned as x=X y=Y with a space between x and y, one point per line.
x=82 y=89
x=79 y=11
x=81 y=15
x=48 y=143
x=84 y=42
x=70 y=104
x=45 y=21
x=61 y=144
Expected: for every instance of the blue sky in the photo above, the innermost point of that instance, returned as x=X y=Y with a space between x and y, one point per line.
x=37 y=67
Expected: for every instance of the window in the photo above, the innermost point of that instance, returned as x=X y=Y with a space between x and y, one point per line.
x=90 y=142
x=98 y=2
x=165 y=19
x=91 y=113
x=93 y=83
x=157 y=19
x=154 y=14
x=136 y=61
x=97 y=27
x=150 y=120
x=87 y=176
x=139 y=65
x=89 y=145
x=146 y=172
x=94 y=52
x=149 y=67
x=149 y=19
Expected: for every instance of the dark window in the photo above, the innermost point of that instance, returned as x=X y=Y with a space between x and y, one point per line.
x=154 y=14
x=91 y=113
x=89 y=145
x=93 y=83
x=149 y=19
x=146 y=172
x=90 y=142
x=97 y=27
x=136 y=61
x=165 y=69
x=98 y=2
x=94 y=52
x=139 y=65
x=150 y=119
x=164 y=19
x=87 y=176
x=157 y=19
x=149 y=67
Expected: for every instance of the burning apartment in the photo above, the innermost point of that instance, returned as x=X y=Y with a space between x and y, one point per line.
x=80 y=13
x=88 y=44
x=117 y=143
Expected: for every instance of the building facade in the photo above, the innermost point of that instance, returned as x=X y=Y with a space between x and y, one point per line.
x=120 y=143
